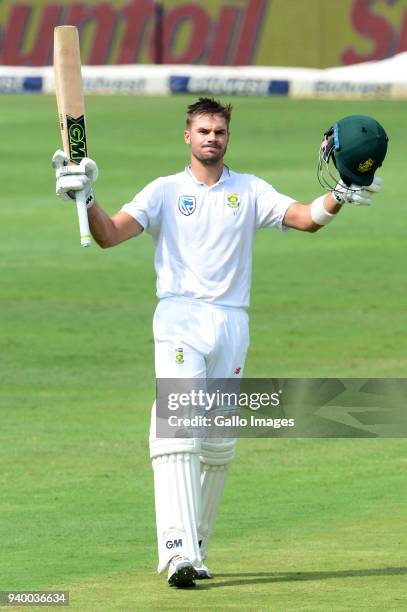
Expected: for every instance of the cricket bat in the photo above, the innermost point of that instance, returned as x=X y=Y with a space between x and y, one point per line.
x=71 y=109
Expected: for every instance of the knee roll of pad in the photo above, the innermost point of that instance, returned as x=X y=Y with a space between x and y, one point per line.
x=168 y=446
x=217 y=451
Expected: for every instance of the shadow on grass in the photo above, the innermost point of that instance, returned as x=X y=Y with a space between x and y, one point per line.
x=234 y=579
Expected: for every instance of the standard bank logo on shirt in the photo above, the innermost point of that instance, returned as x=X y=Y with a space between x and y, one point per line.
x=186 y=204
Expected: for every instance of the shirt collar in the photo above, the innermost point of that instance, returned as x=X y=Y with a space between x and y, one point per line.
x=223 y=177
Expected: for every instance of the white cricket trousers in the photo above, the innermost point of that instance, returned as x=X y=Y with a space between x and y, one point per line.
x=193 y=340
x=199 y=340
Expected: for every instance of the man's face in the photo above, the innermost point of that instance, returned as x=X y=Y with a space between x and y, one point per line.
x=208 y=138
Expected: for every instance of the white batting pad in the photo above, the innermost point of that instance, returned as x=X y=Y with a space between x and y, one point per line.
x=177 y=506
x=213 y=479
x=218 y=451
x=168 y=446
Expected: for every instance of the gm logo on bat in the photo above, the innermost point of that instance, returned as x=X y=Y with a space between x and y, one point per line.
x=186 y=204
x=77 y=138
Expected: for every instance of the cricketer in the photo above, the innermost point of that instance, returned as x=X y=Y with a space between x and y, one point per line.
x=203 y=221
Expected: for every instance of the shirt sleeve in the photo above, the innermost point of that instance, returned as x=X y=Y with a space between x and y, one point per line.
x=146 y=206
x=271 y=206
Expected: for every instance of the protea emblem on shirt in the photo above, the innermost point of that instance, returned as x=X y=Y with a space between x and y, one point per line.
x=179 y=355
x=233 y=200
x=186 y=204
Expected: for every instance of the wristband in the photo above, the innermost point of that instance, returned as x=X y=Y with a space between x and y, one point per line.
x=319 y=214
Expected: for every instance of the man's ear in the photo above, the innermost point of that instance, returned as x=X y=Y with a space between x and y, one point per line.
x=187 y=137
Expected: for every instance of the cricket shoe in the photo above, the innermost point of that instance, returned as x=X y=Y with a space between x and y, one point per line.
x=204 y=573
x=181 y=573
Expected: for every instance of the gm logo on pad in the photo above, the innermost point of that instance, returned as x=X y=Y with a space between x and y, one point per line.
x=173 y=543
x=186 y=204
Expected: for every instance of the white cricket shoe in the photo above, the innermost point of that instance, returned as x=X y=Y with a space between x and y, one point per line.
x=181 y=572
x=204 y=573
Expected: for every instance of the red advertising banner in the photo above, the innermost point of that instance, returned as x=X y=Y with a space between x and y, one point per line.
x=315 y=33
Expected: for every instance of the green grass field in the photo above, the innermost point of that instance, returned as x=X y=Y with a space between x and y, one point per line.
x=314 y=525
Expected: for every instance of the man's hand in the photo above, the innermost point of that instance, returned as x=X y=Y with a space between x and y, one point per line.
x=355 y=194
x=72 y=178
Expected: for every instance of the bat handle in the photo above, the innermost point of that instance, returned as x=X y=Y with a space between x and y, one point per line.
x=83 y=218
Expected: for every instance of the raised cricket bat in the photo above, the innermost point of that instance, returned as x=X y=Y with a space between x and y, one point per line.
x=71 y=109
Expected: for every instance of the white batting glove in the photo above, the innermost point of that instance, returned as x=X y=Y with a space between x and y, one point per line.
x=72 y=178
x=355 y=194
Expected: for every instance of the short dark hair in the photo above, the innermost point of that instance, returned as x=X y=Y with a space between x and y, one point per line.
x=208 y=106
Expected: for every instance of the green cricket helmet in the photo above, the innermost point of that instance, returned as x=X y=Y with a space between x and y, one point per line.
x=357 y=146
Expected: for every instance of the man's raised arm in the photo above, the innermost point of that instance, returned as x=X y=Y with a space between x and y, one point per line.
x=323 y=210
x=107 y=231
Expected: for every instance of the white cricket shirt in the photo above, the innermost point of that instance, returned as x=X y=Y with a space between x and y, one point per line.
x=204 y=235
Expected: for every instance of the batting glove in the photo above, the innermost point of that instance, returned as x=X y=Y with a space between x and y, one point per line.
x=355 y=194
x=72 y=178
